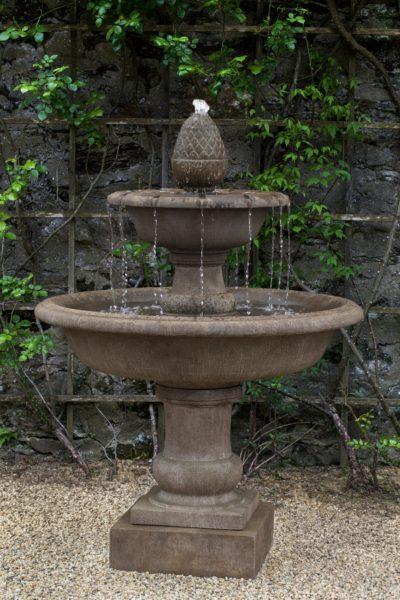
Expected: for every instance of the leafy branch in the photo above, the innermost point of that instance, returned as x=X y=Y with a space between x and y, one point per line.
x=55 y=94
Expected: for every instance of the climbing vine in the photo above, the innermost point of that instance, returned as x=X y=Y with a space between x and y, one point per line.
x=55 y=94
x=19 y=340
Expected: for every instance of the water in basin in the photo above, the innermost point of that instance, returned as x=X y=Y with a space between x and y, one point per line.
x=242 y=310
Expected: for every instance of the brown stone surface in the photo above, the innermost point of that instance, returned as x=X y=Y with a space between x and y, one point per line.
x=187 y=551
x=219 y=199
x=199 y=159
x=187 y=223
x=196 y=472
x=191 y=352
x=228 y=515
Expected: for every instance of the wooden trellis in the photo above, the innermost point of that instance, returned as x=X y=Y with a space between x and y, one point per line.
x=165 y=122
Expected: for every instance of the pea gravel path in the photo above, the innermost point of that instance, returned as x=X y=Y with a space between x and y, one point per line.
x=328 y=544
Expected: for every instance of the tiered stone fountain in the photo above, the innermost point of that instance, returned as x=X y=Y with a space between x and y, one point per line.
x=198 y=347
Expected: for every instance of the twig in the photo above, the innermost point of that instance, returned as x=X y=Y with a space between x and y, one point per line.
x=270 y=458
x=380 y=273
x=357 y=471
x=272 y=148
x=70 y=218
x=113 y=444
x=153 y=421
x=247 y=453
x=59 y=429
x=382 y=401
x=351 y=346
x=353 y=43
x=385 y=260
x=154 y=434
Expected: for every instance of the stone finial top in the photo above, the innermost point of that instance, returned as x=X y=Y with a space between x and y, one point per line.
x=198 y=160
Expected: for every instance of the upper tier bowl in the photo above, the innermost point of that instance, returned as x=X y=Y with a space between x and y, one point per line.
x=199 y=352
x=225 y=214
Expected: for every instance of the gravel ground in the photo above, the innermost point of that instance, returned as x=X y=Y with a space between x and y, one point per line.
x=328 y=543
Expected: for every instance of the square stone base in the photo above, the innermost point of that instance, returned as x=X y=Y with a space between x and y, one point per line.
x=193 y=551
x=234 y=515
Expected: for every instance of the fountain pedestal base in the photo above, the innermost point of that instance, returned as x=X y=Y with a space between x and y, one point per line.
x=195 y=521
x=193 y=551
x=231 y=514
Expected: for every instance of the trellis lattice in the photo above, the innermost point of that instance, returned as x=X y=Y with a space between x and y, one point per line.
x=165 y=123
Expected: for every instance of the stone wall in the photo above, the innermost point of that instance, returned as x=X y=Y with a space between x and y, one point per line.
x=132 y=84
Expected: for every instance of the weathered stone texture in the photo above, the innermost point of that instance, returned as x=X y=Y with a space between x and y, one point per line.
x=136 y=88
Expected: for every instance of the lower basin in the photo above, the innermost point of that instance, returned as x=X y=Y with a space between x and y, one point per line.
x=200 y=352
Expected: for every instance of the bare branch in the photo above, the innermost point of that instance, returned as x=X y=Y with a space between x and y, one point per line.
x=355 y=45
x=70 y=218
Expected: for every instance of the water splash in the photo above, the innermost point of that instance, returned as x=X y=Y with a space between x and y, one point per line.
x=247 y=269
x=200 y=106
x=266 y=309
x=124 y=258
x=280 y=247
x=257 y=310
x=271 y=278
x=202 y=233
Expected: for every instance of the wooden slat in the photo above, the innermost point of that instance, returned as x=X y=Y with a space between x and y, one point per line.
x=174 y=122
x=348 y=240
x=363 y=218
x=144 y=398
x=72 y=199
x=231 y=28
x=72 y=399
x=42 y=214
x=165 y=128
x=385 y=310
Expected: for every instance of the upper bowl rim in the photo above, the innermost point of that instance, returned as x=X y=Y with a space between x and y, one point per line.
x=55 y=311
x=179 y=198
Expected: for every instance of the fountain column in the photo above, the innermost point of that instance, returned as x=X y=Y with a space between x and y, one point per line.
x=197 y=473
x=195 y=521
x=198 y=286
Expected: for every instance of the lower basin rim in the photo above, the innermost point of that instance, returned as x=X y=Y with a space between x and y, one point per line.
x=58 y=311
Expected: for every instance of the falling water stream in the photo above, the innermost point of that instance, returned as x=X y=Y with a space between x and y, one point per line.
x=247 y=270
x=153 y=263
x=242 y=310
x=288 y=255
x=202 y=233
x=271 y=278
x=280 y=247
x=113 y=307
x=124 y=258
